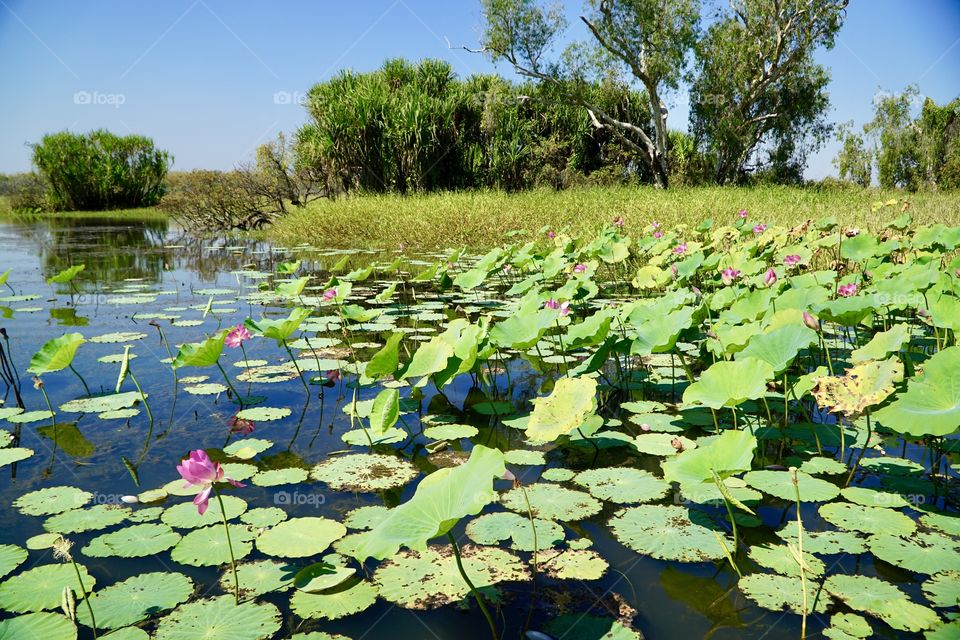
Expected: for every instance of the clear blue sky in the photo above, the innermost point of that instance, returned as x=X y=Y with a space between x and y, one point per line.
x=209 y=80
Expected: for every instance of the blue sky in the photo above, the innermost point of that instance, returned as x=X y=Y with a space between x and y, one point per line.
x=209 y=80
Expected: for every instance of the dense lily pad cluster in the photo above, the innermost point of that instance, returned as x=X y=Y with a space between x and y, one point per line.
x=772 y=401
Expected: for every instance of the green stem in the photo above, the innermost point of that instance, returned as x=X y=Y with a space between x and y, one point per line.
x=230 y=384
x=233 y=562
x=86 y=598
x=143 y=396
x=803 y=575
x=862 y=450
x=297 y=367
x=473 y=589
x=533 y=528
x=77 y=373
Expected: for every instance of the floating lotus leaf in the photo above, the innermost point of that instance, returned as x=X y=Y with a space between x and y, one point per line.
x=585 y=627
x=577 y=564
x=323 y=576
x=207 y=389
x=146 y=514
x=441 y=499
x=6 y=412
x=263 y=414
x=119 y=414
x=662 y=444
x=572 y=401
x=727 y=384
x=920 y=553
x=185 y=515
x=867 y=519
x=623 y=485
x=300 y=537
x=498 y=527
x=709 y=492
x=45 y=626
x=779 y=593
x=780 y=485
x=552 y=502
x=844 y=626
x=883 y=600
x=450 y=431
x=207 y=546
x=826 y=542
x=363 y=437
x=136 y=541
x=11 y=557
x=947 y=631
x=525 y=457
x=666 y=533
x=729 y=453
x=942 y=521
x=428 y=579
x=268 y=374
x=931 y=404
x=40 y=588
x=247 y=448
x=45 y=502
x=318 y=635
x=863 y=386
x=558 y=474
x=100 y=404
x=780 y=346
x=14 y=454
x=873 y=497
x=780 y=559
x=260 y=577
x=364 y=472
x=277 y=477
x=233 y=470
x=42 y=541
x=118 y=337
x=820 y=465
x=30 y=416
x=660 y=422
x=264 y=516
x=341 y=602
x=943 y=589
x=135 y=599
x=219 y=619
x=56 y=354
x=99 y=516
x=882 y=344
x=366 y=517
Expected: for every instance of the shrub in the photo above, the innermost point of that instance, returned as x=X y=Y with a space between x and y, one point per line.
x=99 y=170
x=214 y=200
x=26 y=191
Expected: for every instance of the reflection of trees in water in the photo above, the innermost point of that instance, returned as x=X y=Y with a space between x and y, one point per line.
x=208 y=258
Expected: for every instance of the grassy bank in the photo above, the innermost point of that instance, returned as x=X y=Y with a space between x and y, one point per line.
x=480 y=219
x=142 y=213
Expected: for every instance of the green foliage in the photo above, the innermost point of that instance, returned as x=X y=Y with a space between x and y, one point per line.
x=100 y=170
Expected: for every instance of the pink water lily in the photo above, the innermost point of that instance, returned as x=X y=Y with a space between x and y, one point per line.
x=760 y=228
x=551 y=234
x=658 y=234
x=792 y=260
x=618 y=222
x=847 y=290
x=742 y=213
x=199 y=470
x=237 y=336
x=329 y=295
x=770 y=277
x=680 y=248
x=562 y=307
x=655 y=225
x=811 y=321
x=729 y=275
x=579 y=268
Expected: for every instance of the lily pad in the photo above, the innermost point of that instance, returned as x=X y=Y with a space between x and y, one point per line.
x=623 y=485
x=867 y=519
x=185 y=515
x=779 y=593
x=260 y=577
x=220 y=619
x=336 y=604
x=11 y=557
x=136 y=541
x=364 y=472
x=45 y=626
x=921 y=553
x=263 y=414
x=552 y=502
x=41 y=587
x=300 y=537
x=882 y=600
x=99 y=516
x=943 y=589
x=577 y=564
x=666 y=533
x=135 y=599
x=207 y=546
x=493 y=528
x=780 y=485
x=51 y=500
x=277 y=477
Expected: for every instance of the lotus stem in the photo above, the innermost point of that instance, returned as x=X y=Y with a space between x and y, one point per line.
x=473 y=589
x=533 y=529
x=86 y=598
x=800 y=561
x=230 y=384
x=143 y=396
x=297 y=367
x=233 y=562
x=84 y=382
x=862 y=449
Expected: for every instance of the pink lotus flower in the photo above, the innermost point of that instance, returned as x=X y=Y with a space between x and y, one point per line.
x=618 y=222
x=241 y=426
x=742 y=213
x=655 y=224
x=811 y=321
x=200 y=470
x=760 y=228
x=551 y=234
x=332 y=376
x=680 y=248
x=563 y=308
x=729 y=275
x=847 y=290
x=329 y=295
x=237 y=336
x=792 y=260
x=580 y=268
x=770 y=277
x=658 y=234
x=852 y=232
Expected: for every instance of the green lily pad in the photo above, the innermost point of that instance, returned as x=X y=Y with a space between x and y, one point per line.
x=30 y=416
x=943 y=522
x=277 y=477
x=780 y=559
x=577 y=564
x=101 y=404
x=260 y=577
x=727 y=384
x=666 y=533
x=247 y=448
x=51 y=500
x=14 y=454
x=45 y=626
x=99 y=516
x=136 y=541
x=920 y=553
x=493 y=528
x=366 y=517
x=219 y=619
x=662 y=444
x=931 y=403
x=207 y=389
x=429 y=579
x=207 y=546
x=623 y=485
x=135 y=599
x=565 y=409
x=779 y=593
x=780 y=485
x=264 y=516
x=867 y=519
x=525 y=457
x=338 y=603
x=585 y=627
x=558 y=474
x=943 y=589
x=847 y=625
x=882 y=600
x=118 y=337
x=300 y=537
x=820 y=465
x=41 y=587
x=11 y=557
x=450 y=431
x=552 y=502
x=826 y=542
x=873 y=497
x=263 y=414
x=185 y=515
x=364 y=472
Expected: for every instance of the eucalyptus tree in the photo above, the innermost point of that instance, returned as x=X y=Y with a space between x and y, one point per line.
x=648 y=39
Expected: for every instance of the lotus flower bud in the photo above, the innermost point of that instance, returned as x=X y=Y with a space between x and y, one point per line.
x=811 y=321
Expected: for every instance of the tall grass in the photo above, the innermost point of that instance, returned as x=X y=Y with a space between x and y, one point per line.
x=480 y=219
